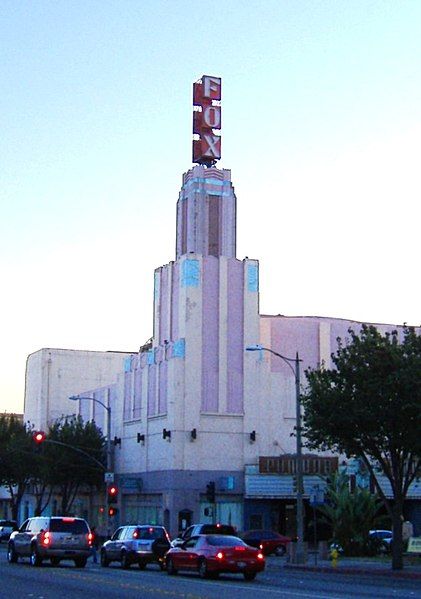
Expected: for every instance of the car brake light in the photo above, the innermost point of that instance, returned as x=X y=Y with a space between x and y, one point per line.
x=220 y=555
x=135 y=534
x=45 y=539
x=90 y=538
x=261 y=546
x=260 y=556
x=68 y=519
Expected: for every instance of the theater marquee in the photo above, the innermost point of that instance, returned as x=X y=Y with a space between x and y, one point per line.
x=206 y=120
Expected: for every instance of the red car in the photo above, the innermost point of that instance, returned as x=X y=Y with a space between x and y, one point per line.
x=210 y=555
x=267 y=540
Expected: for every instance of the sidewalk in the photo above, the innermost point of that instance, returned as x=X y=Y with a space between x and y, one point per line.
x=351 y=565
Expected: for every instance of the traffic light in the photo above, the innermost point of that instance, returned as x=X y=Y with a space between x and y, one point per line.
x=294 y=484
x=38 y=437
x=210 y=492
x=112 y=511
x=112 y=494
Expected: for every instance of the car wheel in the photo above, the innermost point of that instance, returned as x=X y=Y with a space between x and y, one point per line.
x=203 y=569
x=103 y=559
x=80 y=562
x=125 y=562
x=172 y=571
x=12 y=556
x=280 y=550
x=249 y=576
x=35 y=558
x=55 y=561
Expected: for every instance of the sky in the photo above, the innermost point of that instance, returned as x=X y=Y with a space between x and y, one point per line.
x=321 y=128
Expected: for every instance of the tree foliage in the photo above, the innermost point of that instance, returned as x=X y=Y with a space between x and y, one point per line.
x=350 y=515
x=75 y=454
x=369 y=406
x=18 y=461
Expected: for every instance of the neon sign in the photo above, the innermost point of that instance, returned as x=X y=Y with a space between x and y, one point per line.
x=206 y=120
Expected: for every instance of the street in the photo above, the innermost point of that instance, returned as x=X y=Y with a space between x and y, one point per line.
x=21 y=580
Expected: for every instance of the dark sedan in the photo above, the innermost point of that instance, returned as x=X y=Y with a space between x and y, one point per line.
x=267 y=540
x=211 y=555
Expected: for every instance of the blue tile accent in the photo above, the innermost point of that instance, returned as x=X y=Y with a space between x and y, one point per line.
x=252 y=277
x=179 y=348
x=151 y=356
x=127 y=364
x=190 y=274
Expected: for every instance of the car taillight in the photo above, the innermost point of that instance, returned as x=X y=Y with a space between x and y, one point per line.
x=260 y=556
x=67 y=519
x=239 y=548
x=90 y=538
x=135 y=534
x=220 y=555
x=45 y=538
x=261 y=546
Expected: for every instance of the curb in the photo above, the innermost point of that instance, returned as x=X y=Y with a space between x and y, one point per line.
x=351 y=571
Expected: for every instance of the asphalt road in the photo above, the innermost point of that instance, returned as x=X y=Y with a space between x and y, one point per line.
x=21 y=581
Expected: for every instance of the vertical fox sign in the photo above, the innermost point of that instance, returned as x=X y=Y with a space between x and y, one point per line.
x=206 y=120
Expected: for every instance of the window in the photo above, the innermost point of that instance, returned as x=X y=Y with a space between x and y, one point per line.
x=118 y=534
x=224 y=541
x=70 y=525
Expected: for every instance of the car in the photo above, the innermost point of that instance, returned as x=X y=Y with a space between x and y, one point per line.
x=268 y=541
x=384 y=539
x=211 y=555
x=6 y=529
x=202 y=529
x=139 y=544
x=54 y=538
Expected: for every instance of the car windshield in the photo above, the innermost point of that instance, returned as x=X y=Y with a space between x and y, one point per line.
x=215 y=529
x=70 y=525
x=224 y=541
x=149 y=533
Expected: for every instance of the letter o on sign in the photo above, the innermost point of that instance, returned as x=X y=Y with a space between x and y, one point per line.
x=212 y=116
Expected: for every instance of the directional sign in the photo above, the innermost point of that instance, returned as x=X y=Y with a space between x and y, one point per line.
x=108 y=477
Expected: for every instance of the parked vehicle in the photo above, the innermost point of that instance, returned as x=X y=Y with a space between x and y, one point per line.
x=55 y=538
x=267 y=540
x=384 y=539
x=139 y=544
x=211 y=555
x=203 y=529
x=6 y=529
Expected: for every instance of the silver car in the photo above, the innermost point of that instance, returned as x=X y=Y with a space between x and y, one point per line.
x=138 y=544
x=56 y=538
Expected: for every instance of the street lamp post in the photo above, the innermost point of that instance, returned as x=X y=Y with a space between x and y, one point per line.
x=299 y=461
x=106 y=407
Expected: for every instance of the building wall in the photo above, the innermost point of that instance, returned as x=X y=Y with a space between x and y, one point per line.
x=52 y=375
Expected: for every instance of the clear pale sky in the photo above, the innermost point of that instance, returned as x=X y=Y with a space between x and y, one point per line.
x=321 y=128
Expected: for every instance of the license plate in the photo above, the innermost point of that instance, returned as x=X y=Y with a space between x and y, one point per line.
x=241 y=564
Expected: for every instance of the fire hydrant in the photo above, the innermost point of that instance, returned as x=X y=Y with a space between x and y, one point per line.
x=334 y=554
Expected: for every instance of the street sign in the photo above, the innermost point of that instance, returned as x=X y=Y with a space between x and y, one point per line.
x=108 y=477
x=317 y=496
x=414 y=545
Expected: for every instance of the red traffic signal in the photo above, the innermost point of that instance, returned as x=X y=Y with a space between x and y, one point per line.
x=112 y=494
x=112 y=511
x=38 y=437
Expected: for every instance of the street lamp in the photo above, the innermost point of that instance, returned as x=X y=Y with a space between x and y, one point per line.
x=299 y=462
x=109 y=450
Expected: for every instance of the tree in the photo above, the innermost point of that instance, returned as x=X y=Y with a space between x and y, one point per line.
x=369 y=406
x=75 y=453
x=18 y=459
x=350 y=515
